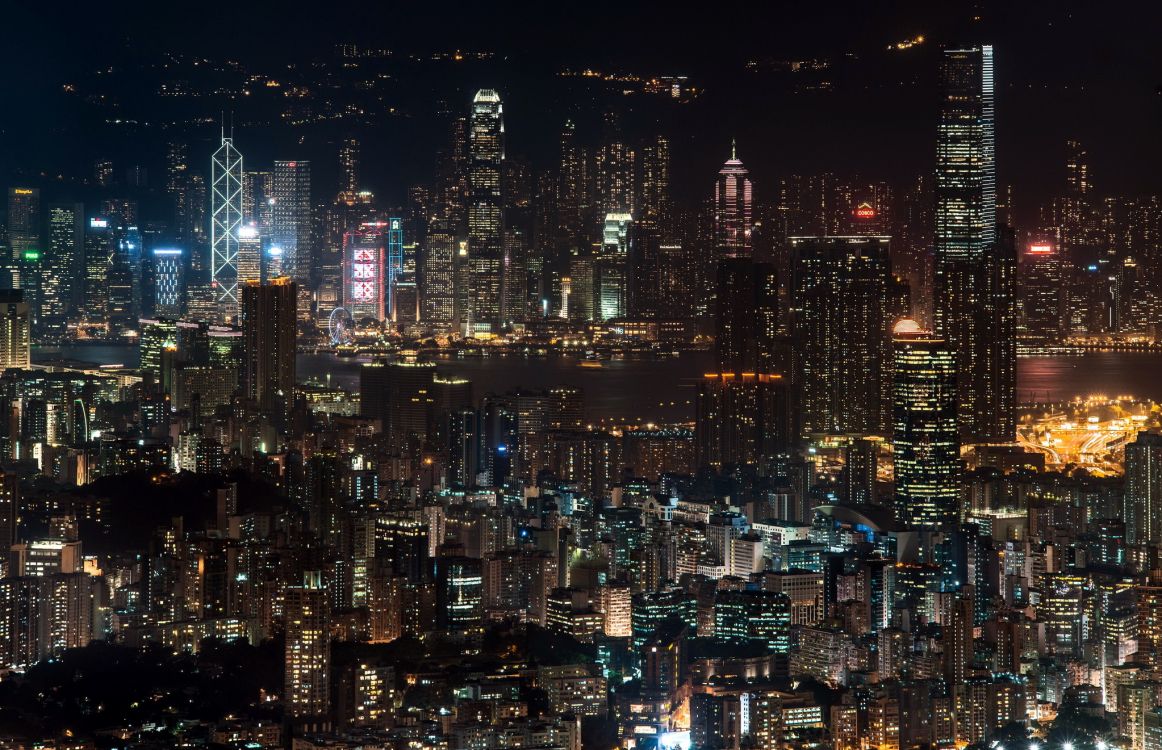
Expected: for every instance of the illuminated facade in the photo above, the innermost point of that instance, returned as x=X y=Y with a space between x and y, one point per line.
x=364 y=280
x=307 y=691
x=485 y=214
x=925 y=442
x=249 y=260
x=844 y=300
x=14 y=329
x=98 y=238
x=225 y=222
x=732 y=208
x=290 y=216
x=395 y=261
x=60 y=271
x=1043 y=310
x=268 y=333
x=167 y=281
x=974 y=263
x=611 y=268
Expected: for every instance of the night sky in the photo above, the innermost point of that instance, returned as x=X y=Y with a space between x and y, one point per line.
x=1091 y=71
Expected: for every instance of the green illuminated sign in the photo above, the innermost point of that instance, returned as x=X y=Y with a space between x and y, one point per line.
x=32 y=255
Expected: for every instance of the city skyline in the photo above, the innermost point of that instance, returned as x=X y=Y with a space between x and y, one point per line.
x=496 y=377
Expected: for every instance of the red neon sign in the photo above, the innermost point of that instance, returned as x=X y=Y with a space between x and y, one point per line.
x=864 y=211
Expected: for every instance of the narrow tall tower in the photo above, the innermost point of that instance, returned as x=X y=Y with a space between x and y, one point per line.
x=225 y=221
x=973 y=305
x=732 y=208
x=925 y=445
x=485 y=214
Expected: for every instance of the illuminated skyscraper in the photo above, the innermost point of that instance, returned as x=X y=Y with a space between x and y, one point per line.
x=167 y=271
x=61 y=269
x=349 y=166
x=485 y=214
x=732 y=208
x=925 y=442
x=364 y=293
x=1143 y=498
x=120 y=280
x=290 y=216
x=611 y=266
x=394 y=266
x=844 y=299
x=438 y=299
x=268 y=329
x=249 y=260
x=99 y=239
x=14 y=329
x=974 y=307
x=1043 y=301
x=225 y=221
x=307 y=692
x=741 y=418
x=23 y=232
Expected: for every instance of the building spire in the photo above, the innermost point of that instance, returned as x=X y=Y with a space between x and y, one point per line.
x=733 y=150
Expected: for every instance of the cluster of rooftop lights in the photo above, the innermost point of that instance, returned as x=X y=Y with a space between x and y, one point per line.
x=1100 y=745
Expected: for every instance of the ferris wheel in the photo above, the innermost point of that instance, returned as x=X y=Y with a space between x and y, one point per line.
x=341 y=326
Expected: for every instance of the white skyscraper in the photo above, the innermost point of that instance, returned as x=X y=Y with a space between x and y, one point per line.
x=225 y=221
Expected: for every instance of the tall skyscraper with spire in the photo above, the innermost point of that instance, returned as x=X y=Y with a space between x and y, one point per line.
x=973 y=268
x=485 y=214
x=225 y=221
x=732 y=208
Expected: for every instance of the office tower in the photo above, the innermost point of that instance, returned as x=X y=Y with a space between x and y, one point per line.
x=610 y=266
x=9 y=509
x=644 y=271
x=249 y=260
x=925 y=441
x=654 y=203
x=438 y=292
x=485 y=214
x=168 y=270
x=570 y=195
x=844 y=300
x=741 y=418
x=399 y=395
x=23 y=232
x=970 y=262
x=99 y=239
x=225 y=221
x=307 y=692
x=290 y=217
x=120 y=277
x=1043 y=304
x=746 y=315
x=614 y=163
x=459 y=593
x=912 y=245
x=364 y=278
x=268 y=330
x=257 y=199
x=178 y=187
x=463 y=447
x=860 y=465
x=349 y=166
x=61 y=279
x=394 y=266
x=1143 y=496
x=1076 y=168
x=732 y=209
x=14 y=329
